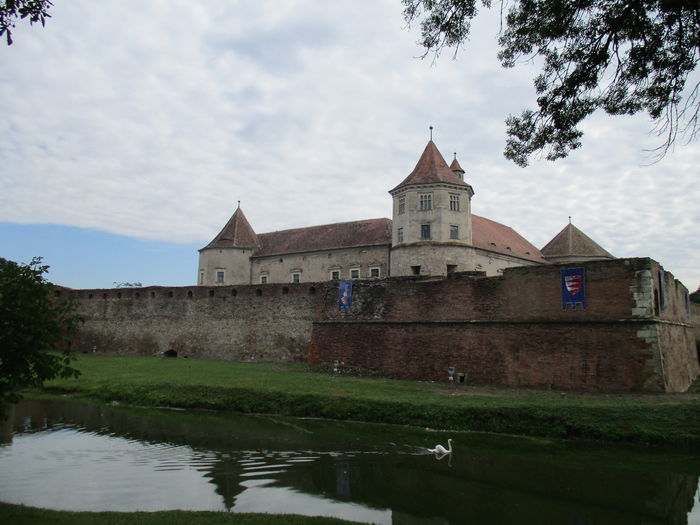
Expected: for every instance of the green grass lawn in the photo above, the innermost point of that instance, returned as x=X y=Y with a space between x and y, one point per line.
x=20 y=515
x=291 y=389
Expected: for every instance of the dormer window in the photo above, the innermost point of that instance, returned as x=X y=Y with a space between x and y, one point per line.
x=426 y=201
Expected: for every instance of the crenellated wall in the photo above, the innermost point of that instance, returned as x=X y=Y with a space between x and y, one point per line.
x=506 y=330
x=243 y=323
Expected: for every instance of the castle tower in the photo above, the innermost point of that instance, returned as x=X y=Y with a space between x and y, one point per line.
x=432 y=223
x=226 y=259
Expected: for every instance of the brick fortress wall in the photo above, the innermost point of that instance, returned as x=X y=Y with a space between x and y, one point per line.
x=507 y=330
x=512 y=330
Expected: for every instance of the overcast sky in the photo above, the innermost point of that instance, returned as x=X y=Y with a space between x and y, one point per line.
x=130 y=129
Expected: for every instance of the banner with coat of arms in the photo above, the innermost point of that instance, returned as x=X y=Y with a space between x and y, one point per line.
x=345 y=296
x=573 y=288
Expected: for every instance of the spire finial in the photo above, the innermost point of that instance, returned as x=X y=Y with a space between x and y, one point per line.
x=455 y=155
x=431 y=133
x=239 y=204
x=569 y=219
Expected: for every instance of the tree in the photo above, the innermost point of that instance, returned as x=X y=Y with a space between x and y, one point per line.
x=620 y=56
x=35 y=327
x=695 y=296
x=35 y=10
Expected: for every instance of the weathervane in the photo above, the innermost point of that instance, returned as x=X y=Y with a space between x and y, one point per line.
x=431 y=133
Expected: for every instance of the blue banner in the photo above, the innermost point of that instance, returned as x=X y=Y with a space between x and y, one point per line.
x=573 y=288
x=344 y=296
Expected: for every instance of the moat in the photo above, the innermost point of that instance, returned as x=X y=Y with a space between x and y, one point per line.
x=73 y=456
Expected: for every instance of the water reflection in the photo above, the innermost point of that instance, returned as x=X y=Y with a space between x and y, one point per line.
x=67 y=455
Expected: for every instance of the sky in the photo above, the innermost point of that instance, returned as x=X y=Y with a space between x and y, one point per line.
x=129 y=131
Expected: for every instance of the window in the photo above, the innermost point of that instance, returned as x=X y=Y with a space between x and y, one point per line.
x=454 y=202
x=400 y=234
x=335 y=275
x=201 y=276
x=374 y=272
x=402 y=205
x=425 y=231
x=263 y=279
x=415 y=270
x=454 y=232
x=296 y=277
x=426 y=201
x=219 y=276
x=355 y=273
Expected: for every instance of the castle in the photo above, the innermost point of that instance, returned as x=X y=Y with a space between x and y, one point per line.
x=432 y=292
x=432 y=233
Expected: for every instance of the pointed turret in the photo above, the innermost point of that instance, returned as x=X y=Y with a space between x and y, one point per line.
x=431 y=224
x=431 y=168
x=456 y=168
x=238 y=233
x=226 y=259
x=571 y=245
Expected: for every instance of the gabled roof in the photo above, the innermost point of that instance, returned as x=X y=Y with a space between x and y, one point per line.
x=369 y=232
x=431 y=168
x=497 y=237
x=238 y=233
x=573 y=242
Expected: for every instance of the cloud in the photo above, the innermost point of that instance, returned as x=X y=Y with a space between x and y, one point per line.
x=152 y=120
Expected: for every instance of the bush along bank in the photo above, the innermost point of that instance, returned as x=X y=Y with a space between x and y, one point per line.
x=672 y=424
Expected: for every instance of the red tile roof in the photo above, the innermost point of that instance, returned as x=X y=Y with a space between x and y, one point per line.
x=369 y=232
x=455 y=166
x=486 y=234
x=431 y=168
x=497 y=237
x=238 y=233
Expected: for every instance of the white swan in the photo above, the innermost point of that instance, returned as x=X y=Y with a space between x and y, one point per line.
x=439 y=449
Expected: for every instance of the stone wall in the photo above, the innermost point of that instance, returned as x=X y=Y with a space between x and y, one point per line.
x=512 y=330
x=243 y=323
x=505 y=330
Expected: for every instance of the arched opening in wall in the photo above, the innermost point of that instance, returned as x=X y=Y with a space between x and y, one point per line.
x=170 y=353
x=285 y=290
x=89 y=296
x=137 y=295
x=312 y=290
x=211 y=293
x=189 y=294
x=104 y=296
x=119 y=295
x=234 y=293
x=153 y=294
x=170 y=294
x=258 y=292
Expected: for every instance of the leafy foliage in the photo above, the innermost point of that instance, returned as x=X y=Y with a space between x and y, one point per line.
x=695 y=296
x=34 y=329
x=619 y=56
x=35 y=10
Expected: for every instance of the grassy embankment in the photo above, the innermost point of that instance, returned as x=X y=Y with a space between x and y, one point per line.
x=20 y=515
x=291 y=389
